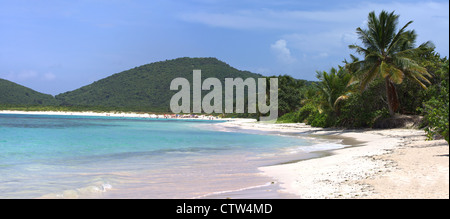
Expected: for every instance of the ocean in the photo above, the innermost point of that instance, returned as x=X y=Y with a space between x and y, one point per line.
x=55 y=156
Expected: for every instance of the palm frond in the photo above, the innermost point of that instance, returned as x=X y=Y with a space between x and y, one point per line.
x=368 y=39
x=397 y=37
x=360 y=50
x=340 y=98
x=410 y=65
x=395 y=75
x=383 y=69
x=413 y=70
x=417 y=81
x=369 y=76
x=410 y=52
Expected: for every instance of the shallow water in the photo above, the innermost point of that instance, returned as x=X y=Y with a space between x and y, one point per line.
x=44 y=156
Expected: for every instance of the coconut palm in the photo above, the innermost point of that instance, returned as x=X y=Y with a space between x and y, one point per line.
x=334 y=86
x=387 y=54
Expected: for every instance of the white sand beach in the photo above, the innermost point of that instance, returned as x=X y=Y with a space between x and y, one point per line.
x=386 y=163
x=113 y=114
x=391 y=163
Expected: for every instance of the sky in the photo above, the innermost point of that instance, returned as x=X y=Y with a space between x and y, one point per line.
x=55 y=46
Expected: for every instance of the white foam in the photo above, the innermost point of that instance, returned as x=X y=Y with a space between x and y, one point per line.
x=106 y=187
x=316 y=147
x=84 y=192
x=230 y=191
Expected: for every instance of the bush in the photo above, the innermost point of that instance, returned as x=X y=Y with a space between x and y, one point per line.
x=291 y=117
x=305 y=112
x=324 y=120
x=436 y=114
x=435 y=110
x=361 y=109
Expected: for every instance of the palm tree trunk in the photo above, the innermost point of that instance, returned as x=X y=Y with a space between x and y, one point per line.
x=392 y=98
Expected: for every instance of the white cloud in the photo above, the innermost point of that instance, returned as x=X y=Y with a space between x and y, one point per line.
x=282 y=52
x=21 y=76
x=335 y=27
x=233 y=20
x=28 y=75
x=49 y=76
x=321 y=45
x=272 y=19
x=323 y=55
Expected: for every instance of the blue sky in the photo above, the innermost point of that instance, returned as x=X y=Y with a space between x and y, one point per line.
x=54 y=46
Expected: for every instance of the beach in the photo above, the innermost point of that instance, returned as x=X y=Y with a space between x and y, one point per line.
x=385 y=163
x=376 y=163
x=113 y=114
x=59 y=155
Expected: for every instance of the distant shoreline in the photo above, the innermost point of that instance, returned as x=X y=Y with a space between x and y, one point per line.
x=117 y=114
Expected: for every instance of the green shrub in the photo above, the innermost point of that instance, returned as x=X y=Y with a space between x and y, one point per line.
x=436 y=114
x=291 y=117
x=324 y=120
x=360 y=109
x=435 y=110
x=305 y=112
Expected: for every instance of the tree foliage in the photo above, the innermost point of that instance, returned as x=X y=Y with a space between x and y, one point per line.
x=387 y=54
x=334 y=87
x=147 y=87
x=15 y=94
x=390 y=79
x=436 y=108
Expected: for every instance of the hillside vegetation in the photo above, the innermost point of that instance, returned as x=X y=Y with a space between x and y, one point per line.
x=15 y=94
x=142 y=89
x=147 y=87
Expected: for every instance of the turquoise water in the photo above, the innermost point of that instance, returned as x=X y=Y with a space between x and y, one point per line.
x=43 y=156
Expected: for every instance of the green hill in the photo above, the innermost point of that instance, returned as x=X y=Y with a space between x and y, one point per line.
x=146 y=88
x=15 y=94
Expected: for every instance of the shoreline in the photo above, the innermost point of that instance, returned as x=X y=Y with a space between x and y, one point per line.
x=379 y=163
x=114 y=114
x=387 y=163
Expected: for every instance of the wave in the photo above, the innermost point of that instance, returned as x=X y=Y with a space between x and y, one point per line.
x=91 y=191
x=231 y=191
x=316 y=147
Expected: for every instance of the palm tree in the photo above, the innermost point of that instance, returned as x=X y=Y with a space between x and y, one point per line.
x=388 y=55
x=334 y=86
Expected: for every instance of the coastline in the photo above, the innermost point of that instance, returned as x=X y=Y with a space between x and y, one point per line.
x=112 y=114
x=390 y=163
x=381 y=163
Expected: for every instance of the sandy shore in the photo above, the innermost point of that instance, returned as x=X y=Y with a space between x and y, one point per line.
x=109 y=114
x=391 y=163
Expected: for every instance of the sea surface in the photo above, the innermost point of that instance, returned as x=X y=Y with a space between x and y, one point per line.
x=54 y=156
